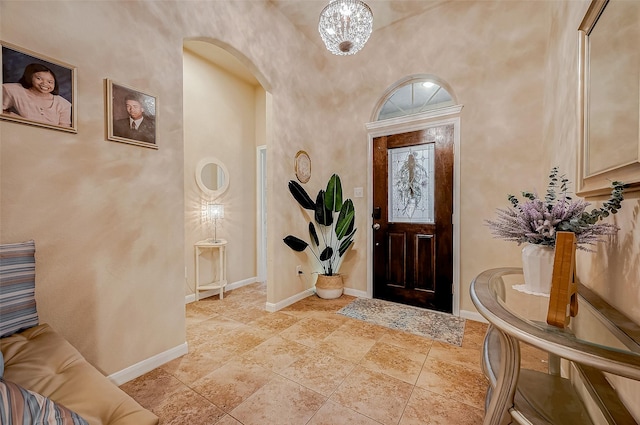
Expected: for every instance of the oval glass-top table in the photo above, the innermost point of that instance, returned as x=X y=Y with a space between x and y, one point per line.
x=597 y=351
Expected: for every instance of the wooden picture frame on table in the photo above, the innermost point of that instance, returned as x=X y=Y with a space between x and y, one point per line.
x=132 y=116
x=38 y=90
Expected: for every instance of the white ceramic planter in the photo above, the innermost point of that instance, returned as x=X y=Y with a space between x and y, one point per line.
x=537 y=266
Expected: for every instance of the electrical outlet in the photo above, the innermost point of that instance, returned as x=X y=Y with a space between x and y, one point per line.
x=298 y=270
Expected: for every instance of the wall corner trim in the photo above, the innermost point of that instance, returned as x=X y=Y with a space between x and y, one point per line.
x=140 y=368
x=356 y=293
x=271 y=307
x=472 y=315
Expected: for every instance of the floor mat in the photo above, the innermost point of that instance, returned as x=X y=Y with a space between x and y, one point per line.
x=431 y=324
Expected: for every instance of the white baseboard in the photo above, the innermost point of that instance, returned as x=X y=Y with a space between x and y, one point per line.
x=153 y=362
x=241 y=283
x=235 y=285
x=139 y=369
x=356 y=293
x=473 y=315
x=271 y=307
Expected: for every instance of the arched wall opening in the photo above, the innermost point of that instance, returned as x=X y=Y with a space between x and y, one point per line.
x=226 y=104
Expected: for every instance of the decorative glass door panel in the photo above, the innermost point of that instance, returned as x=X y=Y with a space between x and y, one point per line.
x=411 y=189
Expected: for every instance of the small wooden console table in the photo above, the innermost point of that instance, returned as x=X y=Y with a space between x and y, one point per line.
x=212 y=245
x=575 y=390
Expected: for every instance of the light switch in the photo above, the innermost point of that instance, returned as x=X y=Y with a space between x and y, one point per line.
x=358 y=192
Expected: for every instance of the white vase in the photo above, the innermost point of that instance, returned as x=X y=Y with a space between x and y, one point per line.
x=537 y=267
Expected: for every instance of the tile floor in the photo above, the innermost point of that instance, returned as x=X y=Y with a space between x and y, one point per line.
x=307 y=365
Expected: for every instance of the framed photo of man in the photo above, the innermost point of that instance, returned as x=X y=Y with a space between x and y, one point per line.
x=131 y=115
x=37 y=90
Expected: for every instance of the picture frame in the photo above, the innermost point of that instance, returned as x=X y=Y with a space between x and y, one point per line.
x=131 y=115
x=302 y=166
x=51 y=102
x=609 y=81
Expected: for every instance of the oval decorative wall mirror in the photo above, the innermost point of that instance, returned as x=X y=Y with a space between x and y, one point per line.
x=212 y=176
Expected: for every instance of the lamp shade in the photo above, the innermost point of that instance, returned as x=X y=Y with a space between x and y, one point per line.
x=345 y=26
x=216 y=211
x=212 y=212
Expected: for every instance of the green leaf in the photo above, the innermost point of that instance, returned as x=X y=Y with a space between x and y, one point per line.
x=312 y=234
x=301 y=196
x=345 y=247
x=323 y=215
x=346 y=219
x=333 y=194
x=296 y=244
x=326 y=254
x=345 y=244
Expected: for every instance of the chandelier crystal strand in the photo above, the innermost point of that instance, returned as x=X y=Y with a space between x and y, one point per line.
x=345 y=26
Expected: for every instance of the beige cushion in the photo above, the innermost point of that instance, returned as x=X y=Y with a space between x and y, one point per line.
x=21 y=406
x=42 y=361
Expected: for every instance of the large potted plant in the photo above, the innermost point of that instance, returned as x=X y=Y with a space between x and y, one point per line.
x=331 y=235
x=535 y=222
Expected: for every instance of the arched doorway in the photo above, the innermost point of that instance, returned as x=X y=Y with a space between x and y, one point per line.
x=414 y=141
x=226 y=103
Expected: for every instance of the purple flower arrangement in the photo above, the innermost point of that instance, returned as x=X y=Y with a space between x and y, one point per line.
x=536 y=220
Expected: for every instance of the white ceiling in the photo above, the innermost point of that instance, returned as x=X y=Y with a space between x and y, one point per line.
x=304 y=14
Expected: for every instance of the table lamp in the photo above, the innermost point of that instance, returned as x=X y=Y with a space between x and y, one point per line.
x=213 y=213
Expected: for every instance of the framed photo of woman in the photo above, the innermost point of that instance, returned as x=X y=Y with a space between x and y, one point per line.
x=131 y=116
x=37 y=90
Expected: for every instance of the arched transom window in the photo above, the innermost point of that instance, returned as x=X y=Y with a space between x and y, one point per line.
x=414 y=97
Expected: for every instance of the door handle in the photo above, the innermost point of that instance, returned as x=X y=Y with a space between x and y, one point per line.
x=376 y=226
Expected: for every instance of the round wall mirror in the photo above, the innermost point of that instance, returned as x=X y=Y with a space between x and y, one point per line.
x=212 y=176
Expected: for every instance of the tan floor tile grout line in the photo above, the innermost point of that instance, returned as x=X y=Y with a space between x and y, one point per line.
x=248 y=298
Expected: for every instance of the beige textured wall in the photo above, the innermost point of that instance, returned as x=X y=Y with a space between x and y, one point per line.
x=614 y=270
x=319 y=103
x=108 y=218
x=220 y=122
x=492 y=56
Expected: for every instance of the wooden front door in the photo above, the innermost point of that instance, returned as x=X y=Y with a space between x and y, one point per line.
x=412 y=218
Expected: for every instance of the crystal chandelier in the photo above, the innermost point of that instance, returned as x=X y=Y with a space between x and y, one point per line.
x=345 y=26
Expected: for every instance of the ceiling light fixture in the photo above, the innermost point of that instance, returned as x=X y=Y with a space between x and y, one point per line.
x=345 y=26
